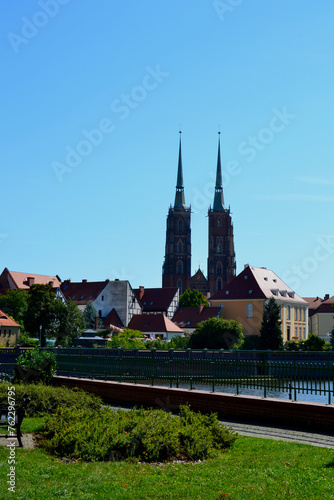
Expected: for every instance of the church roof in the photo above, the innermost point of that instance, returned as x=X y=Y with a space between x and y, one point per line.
x=179 y=195
x=218 y=202
x=199 y=277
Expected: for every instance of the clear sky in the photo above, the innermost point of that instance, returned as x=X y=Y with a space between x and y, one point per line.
x=93 y=95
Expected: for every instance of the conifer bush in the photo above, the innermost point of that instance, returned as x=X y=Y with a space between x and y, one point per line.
x=138 y=434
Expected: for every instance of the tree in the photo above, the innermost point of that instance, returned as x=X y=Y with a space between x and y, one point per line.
x=41 y=313
x=271 y=333
x=217 y=333
x=128 y=339
x=90 y=313
x=15 y=304
x=69 y=321
x=192 y=298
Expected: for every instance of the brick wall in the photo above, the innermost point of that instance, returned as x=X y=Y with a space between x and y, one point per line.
x=301 y=415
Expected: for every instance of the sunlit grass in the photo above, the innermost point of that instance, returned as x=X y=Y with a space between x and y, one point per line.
x=253 y=468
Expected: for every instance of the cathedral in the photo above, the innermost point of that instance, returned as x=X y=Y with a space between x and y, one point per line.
x=176 y=271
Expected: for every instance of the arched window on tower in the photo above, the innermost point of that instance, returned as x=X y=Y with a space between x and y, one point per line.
x=249 y=310
x=180 y=226
x=219 y=284
x=179 y=285
x=179 y=267
x=179 y=247
x=219 y=222
x=219 y=268
x=219 y=248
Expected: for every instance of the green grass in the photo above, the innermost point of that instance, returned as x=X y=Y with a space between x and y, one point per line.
x=252 y=469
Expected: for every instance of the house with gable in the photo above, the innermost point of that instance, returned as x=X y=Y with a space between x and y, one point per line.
x=321 y=316
x=13 y=280
x=9 y=330
x=155 y=326
x=244 y=298
x=188 y=318
x=105 y=296
x=158 y=300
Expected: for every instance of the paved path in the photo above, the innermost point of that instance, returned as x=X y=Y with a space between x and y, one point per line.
x=278 y=433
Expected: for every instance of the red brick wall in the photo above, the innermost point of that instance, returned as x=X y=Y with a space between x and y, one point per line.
x=312 y=416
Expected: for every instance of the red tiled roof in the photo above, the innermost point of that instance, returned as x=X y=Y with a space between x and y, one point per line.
x=257 y=283
x=6 y=320
x=155 y=299
x=21 y=280
x=112 y=319
x=84 y=291
x=153 y=323
x=189 y=317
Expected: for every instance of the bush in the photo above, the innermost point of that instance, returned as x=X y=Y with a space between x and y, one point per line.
x=35 y=366
x=45 y=399
x=147 y=435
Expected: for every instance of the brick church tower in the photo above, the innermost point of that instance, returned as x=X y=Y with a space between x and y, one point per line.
x=177 y=264
x=221 y=257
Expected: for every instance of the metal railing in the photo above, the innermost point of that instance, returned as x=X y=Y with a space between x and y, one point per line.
x=264 y=371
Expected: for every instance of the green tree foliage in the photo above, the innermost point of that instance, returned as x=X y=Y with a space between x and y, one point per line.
x=69 y=322
x=271 y=333
x=35 y=366
x=129 y=339
x=41 y=313
x=192 y=298
x=314 y=343
x=217 y=333
x=15 y=304
x=90 y=313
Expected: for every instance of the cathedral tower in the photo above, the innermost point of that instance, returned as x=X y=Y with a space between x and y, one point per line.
x=177 y=264
x=221 y=257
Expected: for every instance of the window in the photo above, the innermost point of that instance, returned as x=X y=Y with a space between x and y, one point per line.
x=296 y=331
x=296 y=313
x=249 y=310
x=304 y=314
x=250 y=292
x=179 y=247
x=300 y=314
x=102 y=298
x=100 y=313
x=219 y=248
x=179 y=285
x=304 y=333
x=219 y=284
x=300 y=332
x=179 y=268
x=219 y=222
x=180 y=226
x=288 y=313
x=219 y=268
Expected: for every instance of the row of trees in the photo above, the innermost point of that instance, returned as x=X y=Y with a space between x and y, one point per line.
x=42 y=315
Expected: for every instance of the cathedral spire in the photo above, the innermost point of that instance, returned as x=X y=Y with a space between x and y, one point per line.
x=218 y=203
x=179 y=195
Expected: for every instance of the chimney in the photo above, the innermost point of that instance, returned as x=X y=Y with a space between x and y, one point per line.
x=84 y=281
x=141 y=292
x=201 y=307
x=67 y=281
x=51 y=284
x=30 y=280
x=326 y=297
x=96 y=322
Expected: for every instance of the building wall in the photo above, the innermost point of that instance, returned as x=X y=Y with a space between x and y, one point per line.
x=9 y=336
x=322 y=324
x=239 y=310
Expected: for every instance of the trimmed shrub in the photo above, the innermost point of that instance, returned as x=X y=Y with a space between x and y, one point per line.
x=45 y=399
x=138 y=434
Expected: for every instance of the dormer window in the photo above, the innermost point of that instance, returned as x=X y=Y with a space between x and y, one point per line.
x=227 y=292
x=246 y=277
x=250 y=292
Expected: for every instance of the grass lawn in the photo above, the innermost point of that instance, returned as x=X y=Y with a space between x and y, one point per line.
x=253 y=468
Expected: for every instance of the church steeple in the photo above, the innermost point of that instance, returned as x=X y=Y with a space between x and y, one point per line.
x=218 y=203
x=179 y=195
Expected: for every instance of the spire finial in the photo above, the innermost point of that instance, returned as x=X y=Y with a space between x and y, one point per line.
x=179 y=195
x=218 y=203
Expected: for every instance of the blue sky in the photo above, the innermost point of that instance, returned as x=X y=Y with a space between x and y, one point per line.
x=93 y=95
